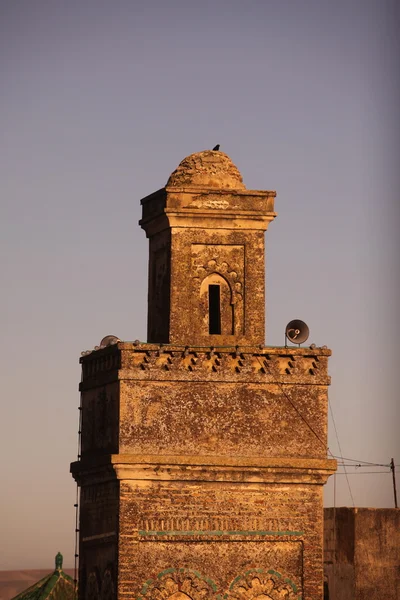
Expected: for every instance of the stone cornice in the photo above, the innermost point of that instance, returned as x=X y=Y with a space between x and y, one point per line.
x=206 y=208
x=205 y=468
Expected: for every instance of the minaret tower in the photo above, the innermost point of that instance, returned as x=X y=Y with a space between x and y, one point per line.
x=206 y=268
x=203 y=451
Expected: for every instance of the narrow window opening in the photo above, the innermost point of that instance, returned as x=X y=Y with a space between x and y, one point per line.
x=214 y=309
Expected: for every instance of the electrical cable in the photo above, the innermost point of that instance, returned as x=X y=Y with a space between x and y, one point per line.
x=367 y=473
x=340 y=450
x=293 y=404
x=359 y=466
x=360 y=461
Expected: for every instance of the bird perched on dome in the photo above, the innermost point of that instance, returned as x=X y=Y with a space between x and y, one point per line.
x=216 y=147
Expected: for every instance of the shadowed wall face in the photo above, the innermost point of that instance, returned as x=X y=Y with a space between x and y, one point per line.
x=362 y=553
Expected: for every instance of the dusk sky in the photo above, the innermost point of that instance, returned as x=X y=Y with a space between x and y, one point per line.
x=100 y=101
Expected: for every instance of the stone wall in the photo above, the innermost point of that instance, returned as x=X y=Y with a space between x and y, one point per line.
x=224 y=532
x=362 y=553
x=203 y=465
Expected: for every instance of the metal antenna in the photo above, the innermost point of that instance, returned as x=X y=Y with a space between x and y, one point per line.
x=394 y=482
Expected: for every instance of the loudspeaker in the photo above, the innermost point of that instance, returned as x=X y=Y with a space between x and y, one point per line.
x=297 y=331
x=109 y=340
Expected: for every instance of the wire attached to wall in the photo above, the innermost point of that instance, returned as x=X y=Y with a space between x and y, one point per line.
x=288 y=398
x=360 y=466
x=367 y=473
x=363 y=462
x=309 y=425
x=340 y=450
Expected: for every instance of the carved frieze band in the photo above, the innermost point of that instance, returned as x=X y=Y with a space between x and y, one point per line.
x=180 y=584
x=199 y=363
x=255 y=526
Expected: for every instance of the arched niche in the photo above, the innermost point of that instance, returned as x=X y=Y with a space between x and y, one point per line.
x=217 y=307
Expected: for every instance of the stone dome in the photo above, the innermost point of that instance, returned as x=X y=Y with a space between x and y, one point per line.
x=209 y=169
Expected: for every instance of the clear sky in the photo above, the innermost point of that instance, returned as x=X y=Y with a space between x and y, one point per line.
x=100 y=101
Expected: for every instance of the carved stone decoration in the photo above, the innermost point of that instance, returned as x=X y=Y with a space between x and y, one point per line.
x=179 y=584
x=222 y=265
x=224 y=270
x=92 y=587
x=259 y=584
x=107 y=586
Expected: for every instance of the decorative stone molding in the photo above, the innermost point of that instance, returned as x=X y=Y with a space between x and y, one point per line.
x=143 y=361
x=255 y=584
x=222 y=268
x=178 y=584
x=259 y=584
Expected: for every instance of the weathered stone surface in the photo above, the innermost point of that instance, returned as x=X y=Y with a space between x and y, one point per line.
x=207 y=169
x=204 y=451
x=362 y=553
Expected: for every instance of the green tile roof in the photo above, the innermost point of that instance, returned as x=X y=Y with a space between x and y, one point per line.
x=57 y=586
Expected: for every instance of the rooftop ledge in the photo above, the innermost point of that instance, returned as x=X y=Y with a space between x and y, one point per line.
x=236 y=364
x=207 y=190
x=242 y=349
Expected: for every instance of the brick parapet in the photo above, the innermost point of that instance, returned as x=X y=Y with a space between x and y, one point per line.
x=282 y=365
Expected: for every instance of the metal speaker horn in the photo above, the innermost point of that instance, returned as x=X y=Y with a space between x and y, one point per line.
x=109 y=340
x=297 y=331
